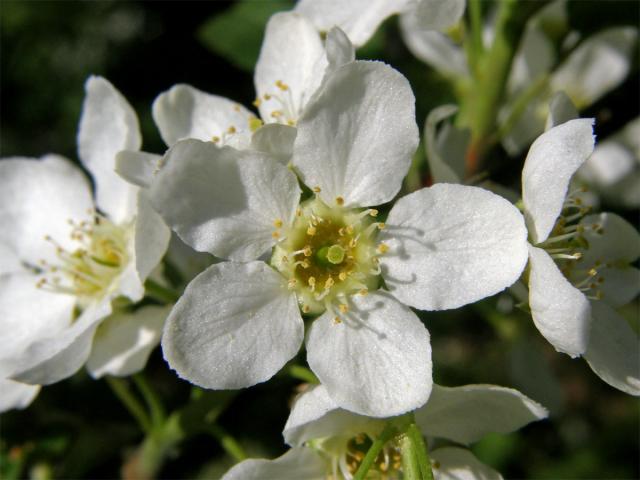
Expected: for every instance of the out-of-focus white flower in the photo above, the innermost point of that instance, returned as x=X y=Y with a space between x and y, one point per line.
x=65 y=260
x=579 y=264
x=329 y=442
x=613 y=171
x=290 y=68
x=442 y=247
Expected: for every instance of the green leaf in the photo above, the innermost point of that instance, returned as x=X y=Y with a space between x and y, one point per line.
x=236 y=34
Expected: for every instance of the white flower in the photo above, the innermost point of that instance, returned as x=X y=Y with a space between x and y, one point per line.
x=579 y=264
x=65 y=260
x=292 y=62
x=238 y=322
x=613 y=170
x=329 y=442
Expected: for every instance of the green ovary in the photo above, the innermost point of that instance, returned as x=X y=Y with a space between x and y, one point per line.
x=328 y=254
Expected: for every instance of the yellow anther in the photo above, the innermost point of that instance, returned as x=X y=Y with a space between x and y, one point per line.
x=342 y=276
x=305 y=263
x=353 y=242
x=306 y=309
x=312 y=283
x=311 y=231
x=255 y=124
x=381 y=225
x=343 y=307
x=383 y=248
x=329 y=283
x=257 y=102
x=373 y=212
x=215 y=139
x=339 y=201
x=593 y=272
x=291 y=123
x=281 y=85
x=307 y=251
x=231 y=129
x=349 y=229
x=275 y=234
x=363 y=292
x=337 y=320
x=276 y=113
x=266 y=96
x=292 y=283
x=277 y=223
x=316 y=189
x=341 y=232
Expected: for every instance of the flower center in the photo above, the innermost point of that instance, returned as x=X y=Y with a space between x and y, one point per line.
x=567 y=242
x=88 y=271
x=285 y=110
x=345 y=460
x=329 y=254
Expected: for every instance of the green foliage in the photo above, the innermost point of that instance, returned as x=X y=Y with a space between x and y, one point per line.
x=236 y=34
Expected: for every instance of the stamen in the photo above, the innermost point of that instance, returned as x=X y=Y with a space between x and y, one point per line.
x=339 y=201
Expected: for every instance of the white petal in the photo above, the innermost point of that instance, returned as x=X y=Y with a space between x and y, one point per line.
x=151 y=237
x=534 y=59
x=614 y=350
x=460 y=464
x=292 y=52
x=296 y=464
x=137 y=168
x=527 y=127
x=37 y=198
x=222 y=200
x=316 y=415
x=551 y=162
x=62 y=353
x=339 y=48
x=27 y=315
x=186 y=112
x=450 y=245
x=377 y=361
x=124 y=341
x=561 y=110
x=610 y=254
x=439 y=14
x=16 y=394
x=276 y=140
x=432 y=47
x=235 y=325
x=468 y=413
x=446 y=151
x=186 y=260
x=560 y=311
x=358 y=135
x=127 y=284
x=64 y=363
x=359 y=19
x=108 y=125
x=600 y=64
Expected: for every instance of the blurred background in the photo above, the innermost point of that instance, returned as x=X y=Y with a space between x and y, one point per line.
x=78 y=428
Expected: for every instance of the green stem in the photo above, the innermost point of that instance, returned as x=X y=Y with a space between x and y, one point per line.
x=485 y=96
x=135 y=408
x=421 y=452
x=368 y=460
x=230 y=444
x=410 y=466
x=477 y=46
x=160 y=293
x=303 y=373
x=156 y=408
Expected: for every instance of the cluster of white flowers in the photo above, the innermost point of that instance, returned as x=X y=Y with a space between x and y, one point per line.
x=291 y=202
